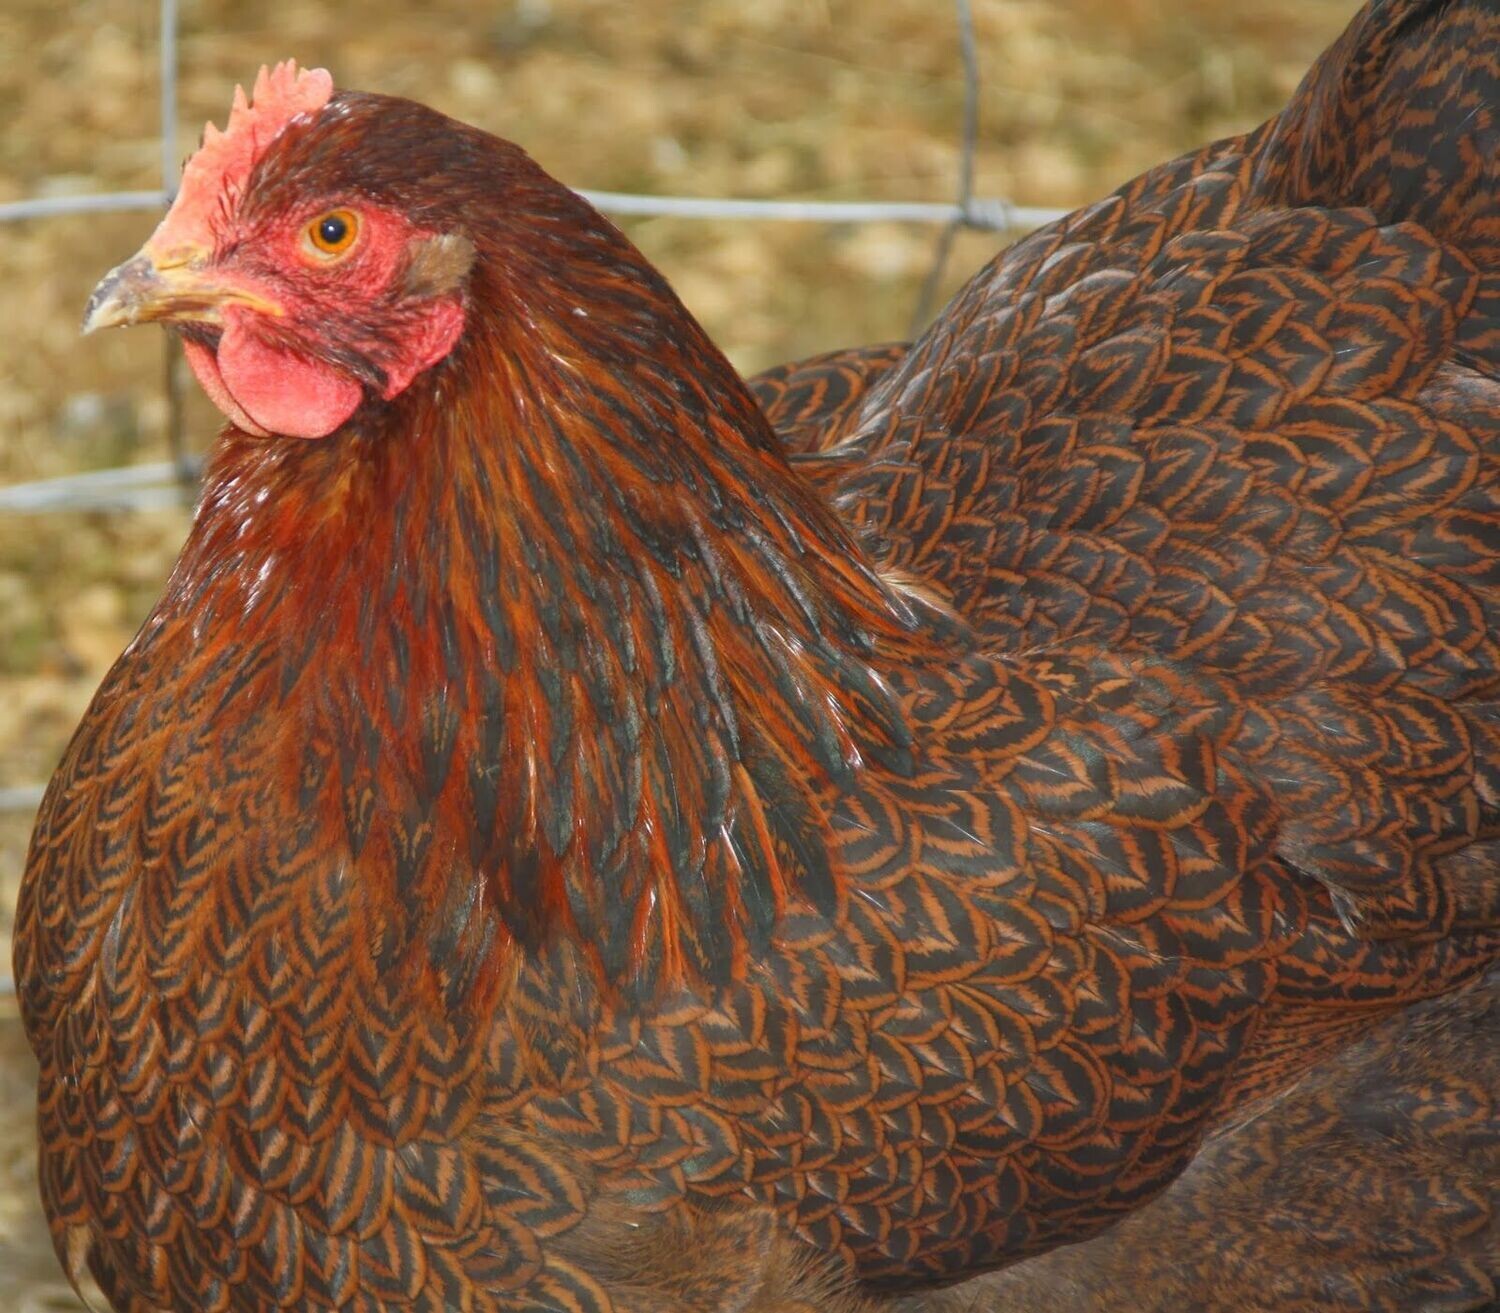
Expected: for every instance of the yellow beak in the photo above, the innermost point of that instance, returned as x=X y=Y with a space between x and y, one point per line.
x=179 y=287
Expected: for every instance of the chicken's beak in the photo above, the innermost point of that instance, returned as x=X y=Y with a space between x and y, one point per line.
x=180 y=288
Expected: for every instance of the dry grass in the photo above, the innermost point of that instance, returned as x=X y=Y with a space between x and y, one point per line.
x=832 y=99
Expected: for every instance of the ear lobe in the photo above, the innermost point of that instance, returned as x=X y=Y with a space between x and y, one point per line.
x=432 y=338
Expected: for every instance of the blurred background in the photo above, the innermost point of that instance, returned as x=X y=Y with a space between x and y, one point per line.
x=832 y=100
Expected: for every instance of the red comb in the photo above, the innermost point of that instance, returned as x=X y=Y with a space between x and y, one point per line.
x=224 y=160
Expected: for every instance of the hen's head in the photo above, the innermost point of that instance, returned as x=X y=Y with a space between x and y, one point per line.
x=319 y=253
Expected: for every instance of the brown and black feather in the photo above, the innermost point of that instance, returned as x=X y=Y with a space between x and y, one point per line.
x=542 y=823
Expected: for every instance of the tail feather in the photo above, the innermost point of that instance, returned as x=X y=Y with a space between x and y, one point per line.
x=1402 y=116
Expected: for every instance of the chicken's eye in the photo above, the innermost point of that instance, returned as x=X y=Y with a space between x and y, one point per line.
x=332 y=234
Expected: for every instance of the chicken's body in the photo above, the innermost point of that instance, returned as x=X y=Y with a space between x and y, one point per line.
x=1371 y=1185
x=535 y=830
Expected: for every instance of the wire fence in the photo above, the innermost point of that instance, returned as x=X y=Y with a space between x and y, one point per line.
x=162 y=484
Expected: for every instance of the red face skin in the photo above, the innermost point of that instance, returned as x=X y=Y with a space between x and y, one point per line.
x=288 y=328
x=270 y=371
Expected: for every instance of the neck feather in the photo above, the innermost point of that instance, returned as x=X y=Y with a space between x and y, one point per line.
x=585 y=653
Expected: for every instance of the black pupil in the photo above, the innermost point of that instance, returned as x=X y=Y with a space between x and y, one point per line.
x=332 y=230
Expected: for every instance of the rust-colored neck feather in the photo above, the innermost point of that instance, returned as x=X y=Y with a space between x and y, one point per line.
x=574 y=650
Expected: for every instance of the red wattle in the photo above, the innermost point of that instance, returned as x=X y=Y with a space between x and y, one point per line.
x=205 y=366
x=265 y=390
x=428 y=343
x=283 y=392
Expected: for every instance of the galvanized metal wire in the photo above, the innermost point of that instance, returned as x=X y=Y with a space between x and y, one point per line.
x=160 y=485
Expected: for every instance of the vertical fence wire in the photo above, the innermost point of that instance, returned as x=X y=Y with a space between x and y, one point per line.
x=968 y=148
x=183 y=467
x=167 y=73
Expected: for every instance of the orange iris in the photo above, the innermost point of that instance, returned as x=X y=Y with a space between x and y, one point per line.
x=333 y=233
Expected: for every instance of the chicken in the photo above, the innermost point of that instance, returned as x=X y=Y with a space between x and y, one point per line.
x=550 y=849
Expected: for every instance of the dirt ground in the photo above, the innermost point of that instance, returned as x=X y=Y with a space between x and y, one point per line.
x=826 y=99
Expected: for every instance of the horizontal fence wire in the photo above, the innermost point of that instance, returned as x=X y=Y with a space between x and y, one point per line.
x=157 y=485
x=165 y=484
x=987 y=214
